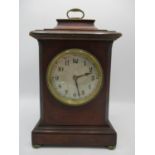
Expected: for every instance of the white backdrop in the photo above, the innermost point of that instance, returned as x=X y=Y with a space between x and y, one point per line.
x=109 y=14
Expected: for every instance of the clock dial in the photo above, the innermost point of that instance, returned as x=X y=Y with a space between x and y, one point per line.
x=74 y=77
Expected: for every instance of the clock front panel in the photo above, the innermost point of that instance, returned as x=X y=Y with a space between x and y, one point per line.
x=74 y=82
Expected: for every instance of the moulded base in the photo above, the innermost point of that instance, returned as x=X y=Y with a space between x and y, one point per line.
x=75 y=136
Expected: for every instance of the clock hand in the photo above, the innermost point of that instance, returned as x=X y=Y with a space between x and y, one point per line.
x=75 y=78
x=76 y=83
x=85 y=74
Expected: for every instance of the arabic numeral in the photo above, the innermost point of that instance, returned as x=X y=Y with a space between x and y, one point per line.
x=66 y=62
x=83 y=92
x=93 y=77
x=60 y=69
x=56 y=78
x=90 y=69
x=75 y=60
x=74 y=94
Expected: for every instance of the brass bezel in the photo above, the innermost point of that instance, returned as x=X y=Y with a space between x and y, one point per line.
x=74 y=102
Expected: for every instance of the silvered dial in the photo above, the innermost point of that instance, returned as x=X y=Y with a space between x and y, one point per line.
x=74 y=77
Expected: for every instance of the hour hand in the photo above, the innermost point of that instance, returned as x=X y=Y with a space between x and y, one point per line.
x=85 y=74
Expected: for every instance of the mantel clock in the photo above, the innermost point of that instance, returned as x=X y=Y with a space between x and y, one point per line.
x=74 y=67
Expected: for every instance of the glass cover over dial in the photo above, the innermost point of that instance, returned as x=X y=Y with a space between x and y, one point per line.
x=74 y=77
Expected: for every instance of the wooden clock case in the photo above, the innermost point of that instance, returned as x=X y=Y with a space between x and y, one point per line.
x=86 y=125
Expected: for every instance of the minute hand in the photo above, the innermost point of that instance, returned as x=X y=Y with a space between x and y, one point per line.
x=85 y=74
x=77 y=86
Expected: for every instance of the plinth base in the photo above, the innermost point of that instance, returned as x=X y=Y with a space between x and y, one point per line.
x=75 y=136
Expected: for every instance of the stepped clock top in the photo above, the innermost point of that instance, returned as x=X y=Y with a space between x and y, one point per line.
x=75 y=27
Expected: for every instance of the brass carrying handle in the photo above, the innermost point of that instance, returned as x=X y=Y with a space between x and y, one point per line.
x=75 y=10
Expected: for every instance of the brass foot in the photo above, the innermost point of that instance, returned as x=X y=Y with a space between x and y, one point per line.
x=36 y=146
x=111 y=147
